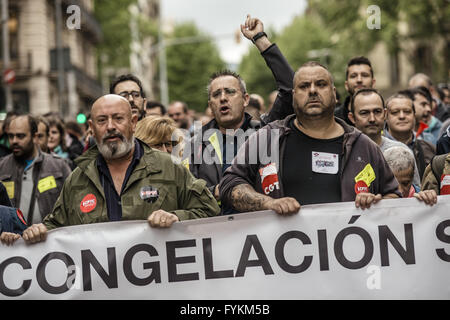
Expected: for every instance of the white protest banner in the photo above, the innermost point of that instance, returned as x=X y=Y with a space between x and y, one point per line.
x=398 y=249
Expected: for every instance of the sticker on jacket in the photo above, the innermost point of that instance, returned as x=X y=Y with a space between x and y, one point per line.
x=46 y=183
x=88 y=203
x=324 y=162
x=364 y=179
x=269 y=178
x=9 y=185
x=149 y=194
x=445 y=184
x=185 y=163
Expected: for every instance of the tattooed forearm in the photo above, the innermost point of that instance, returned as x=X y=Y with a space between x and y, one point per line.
x=245 y=198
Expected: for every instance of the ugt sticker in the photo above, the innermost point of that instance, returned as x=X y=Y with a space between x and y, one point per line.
x=88 y=203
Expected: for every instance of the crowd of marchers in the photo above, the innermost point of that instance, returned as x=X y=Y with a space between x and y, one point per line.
x=138 y=160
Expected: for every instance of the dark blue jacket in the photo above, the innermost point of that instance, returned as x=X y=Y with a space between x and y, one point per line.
x=11 y=220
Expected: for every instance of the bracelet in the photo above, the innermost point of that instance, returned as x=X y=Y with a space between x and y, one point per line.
x=259 y=35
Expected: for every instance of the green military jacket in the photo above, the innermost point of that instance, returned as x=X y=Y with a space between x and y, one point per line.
x=82 y=199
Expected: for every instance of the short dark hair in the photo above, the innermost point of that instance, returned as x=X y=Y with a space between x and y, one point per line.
x=156 y=104
x=32 y=122
x=313 y=63
x=224 y=73
x=423 y=91
x=407 y=94
x=365 y=91
x=441 y=93
x=126 y=77
x=356 y=61
x=183 y=104
x=9 y=116
x=74 y=126
x=45 y=122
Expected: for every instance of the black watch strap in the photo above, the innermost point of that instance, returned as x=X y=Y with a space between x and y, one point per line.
x=259 y=35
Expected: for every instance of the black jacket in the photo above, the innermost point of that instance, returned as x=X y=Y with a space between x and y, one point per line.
x=4 y=199
x=342 y=111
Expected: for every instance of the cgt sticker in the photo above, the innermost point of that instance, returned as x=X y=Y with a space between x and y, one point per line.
x=269 y=178
x=88 y=203
x=445 y=184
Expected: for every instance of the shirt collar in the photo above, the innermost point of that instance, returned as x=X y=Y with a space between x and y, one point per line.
x=137 y=155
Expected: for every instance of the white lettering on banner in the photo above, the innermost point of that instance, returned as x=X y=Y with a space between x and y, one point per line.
x=327 y=251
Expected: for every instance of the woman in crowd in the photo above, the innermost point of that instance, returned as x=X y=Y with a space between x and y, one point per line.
x=160 y=133
x=56 y=142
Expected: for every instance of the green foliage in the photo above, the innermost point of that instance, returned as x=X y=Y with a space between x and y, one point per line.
x=114 y=19
x=190 y=65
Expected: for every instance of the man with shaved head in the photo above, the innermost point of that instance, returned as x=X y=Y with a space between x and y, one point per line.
x=121 y=178
x=321 y=158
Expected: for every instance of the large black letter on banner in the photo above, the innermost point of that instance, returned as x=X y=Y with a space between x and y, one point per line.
x=88 y=260
x=407 y=254
x=208 y=261
x=279 y=252
x=173 y=260
x=40 y=272
x=441 y=235
x=323 y=250
x=339 y=249
x=25 y=264
x=252 y=241
x=155 y=275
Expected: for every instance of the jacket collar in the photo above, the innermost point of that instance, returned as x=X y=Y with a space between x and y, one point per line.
x=283 y=125
x=214 y=125
x=149 y=160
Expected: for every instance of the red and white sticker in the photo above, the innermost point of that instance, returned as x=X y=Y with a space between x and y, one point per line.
x=445 y=184
x=88 y=203
x=269 y=178
x=361 y=186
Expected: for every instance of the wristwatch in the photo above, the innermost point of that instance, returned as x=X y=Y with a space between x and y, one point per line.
x=259 y=35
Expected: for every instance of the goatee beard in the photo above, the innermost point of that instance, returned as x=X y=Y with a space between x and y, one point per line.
x=116 y=149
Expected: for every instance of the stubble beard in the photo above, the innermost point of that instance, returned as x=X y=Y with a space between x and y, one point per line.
x=326 y=112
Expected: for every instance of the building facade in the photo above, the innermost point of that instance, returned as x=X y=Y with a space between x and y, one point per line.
x=42 y=85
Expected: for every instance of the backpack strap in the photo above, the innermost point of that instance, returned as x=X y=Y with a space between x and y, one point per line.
x=437 y=166
x=420 y=157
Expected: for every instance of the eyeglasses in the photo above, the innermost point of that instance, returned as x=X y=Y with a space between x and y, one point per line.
x=168 y=144
x=134 y=94
x=228 y=92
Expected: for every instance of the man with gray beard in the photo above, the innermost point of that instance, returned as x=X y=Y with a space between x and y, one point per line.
x=121 y=178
